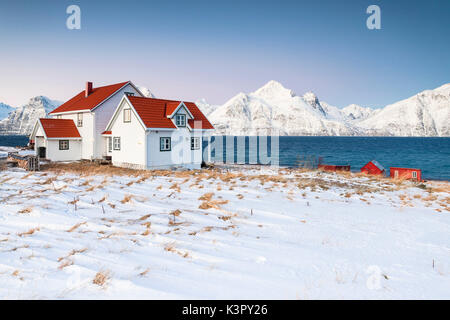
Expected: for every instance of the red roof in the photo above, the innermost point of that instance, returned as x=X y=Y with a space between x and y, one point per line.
x=171 y=106
x=59 y=128
x=106 y=132
x=198 y=116
x=153 y=112
x=98 y=95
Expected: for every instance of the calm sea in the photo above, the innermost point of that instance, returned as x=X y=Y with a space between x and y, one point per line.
x=432 y=155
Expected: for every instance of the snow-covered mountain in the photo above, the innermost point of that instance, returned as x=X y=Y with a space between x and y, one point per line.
x=146 y=92
x=424 y=114
x=354 y=112
x=276 y=110
x=22 y=119
x=205 y=107
x=273 y=109
x=5 y=110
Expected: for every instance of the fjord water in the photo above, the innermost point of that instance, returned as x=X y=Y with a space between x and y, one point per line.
x=432 y=155
x=13 y=141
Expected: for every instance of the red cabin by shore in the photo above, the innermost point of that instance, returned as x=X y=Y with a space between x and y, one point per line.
x=374 y=168
x=333 y=168
x=406 y=173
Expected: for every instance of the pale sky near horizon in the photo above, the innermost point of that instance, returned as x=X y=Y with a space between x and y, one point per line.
x=215 y=49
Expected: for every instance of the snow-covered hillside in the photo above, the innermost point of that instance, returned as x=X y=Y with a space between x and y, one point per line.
x=5 y=110
x=22 y=119
x=425 y=114
x=250 y=234
x=354 y=112
x=146 y=92
x=281 y=110
x=206 y=108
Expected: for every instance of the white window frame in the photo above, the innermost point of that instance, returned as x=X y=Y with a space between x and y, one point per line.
x=79 y=119
x=165 y=144
x=116 y=143
x=414 y=174
x=396 y=174
x=180 y=120
x=64 y=145
x=195 y=143
x=110 y=144
x=127 y=115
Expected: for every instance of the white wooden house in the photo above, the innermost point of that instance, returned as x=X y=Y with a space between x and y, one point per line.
x=90 y=110
x=156 y=133
x=116 y=122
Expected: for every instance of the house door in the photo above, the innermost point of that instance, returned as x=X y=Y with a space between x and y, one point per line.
x=41 y=152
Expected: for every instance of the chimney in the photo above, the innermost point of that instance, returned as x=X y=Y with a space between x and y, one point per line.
x=88 y=89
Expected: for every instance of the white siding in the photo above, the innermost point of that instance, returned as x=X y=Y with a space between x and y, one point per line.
x=132 y=141
x=39 y=140
x=86 y=132
x=180 y=155
x=103 y=114
x=54 y=154
x=94 y=123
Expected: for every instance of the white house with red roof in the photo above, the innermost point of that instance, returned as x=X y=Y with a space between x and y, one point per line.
x=57 y=139
x=149 y=133
x=156 y=133
x=90 y=111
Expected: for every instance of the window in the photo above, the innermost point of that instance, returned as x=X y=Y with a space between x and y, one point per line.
x=63 y=144
x=195 y=143
x=80 y=119
x=116 y=143
x=59 y=116
x=130 y=94
x=164 y=144
x=414 y=174
x=180 y=120
x=110 y=146
x=126 y=115
x=396 y=174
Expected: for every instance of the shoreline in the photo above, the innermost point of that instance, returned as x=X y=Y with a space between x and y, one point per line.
x=431 y=170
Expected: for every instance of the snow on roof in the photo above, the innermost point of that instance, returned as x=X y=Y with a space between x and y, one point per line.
x=59 y=128
x=81 y=102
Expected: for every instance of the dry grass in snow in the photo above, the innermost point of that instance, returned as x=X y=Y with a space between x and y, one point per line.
x=220 y=233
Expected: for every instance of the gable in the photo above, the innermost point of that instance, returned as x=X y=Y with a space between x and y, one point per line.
x=174 y=108
x=118 y=117
x=39 y=132
x=154 y=113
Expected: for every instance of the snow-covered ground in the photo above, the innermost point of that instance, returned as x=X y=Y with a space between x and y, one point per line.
x=260 y=234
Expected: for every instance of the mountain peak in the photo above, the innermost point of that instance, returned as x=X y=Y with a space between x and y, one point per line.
x=5 y=110
x=311 y=98
x=274 y=89
x=146 y=92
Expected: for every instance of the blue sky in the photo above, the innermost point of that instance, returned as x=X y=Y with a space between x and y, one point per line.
x=215 y=49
